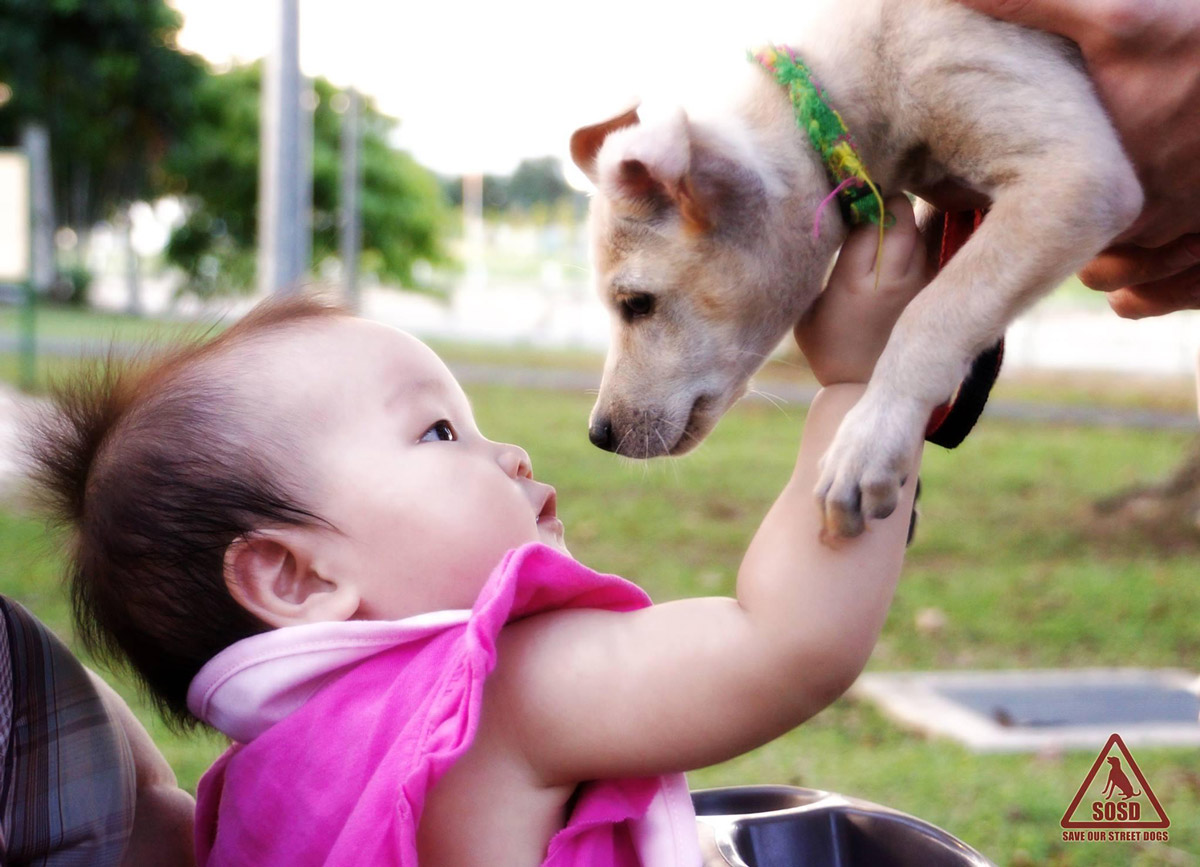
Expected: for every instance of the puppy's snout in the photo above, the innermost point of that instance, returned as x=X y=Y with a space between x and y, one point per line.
x=601 y=434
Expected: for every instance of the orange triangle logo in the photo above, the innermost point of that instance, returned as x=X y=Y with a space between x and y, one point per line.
x=1118 y=802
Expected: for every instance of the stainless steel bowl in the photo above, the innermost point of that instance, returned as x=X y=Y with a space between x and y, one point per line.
x=786 y=826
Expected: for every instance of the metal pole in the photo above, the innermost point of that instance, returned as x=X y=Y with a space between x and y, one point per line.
x=351 y=219
x=133 y=279
x=304 y=179
x=473 y=229
x=27 y=340
x=279 y=200
x=35 y=140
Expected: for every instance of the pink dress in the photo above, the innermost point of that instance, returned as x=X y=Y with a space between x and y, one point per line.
x=340 y=730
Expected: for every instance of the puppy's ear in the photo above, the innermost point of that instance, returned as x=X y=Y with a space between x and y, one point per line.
x=272 y=574
x=586 y=141
x=650 y=167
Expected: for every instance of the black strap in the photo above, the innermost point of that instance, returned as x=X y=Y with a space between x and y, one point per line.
x=971 y=398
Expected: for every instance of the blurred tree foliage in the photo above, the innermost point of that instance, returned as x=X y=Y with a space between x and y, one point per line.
x=536 y=184
x=109 y=84
x=215 y=169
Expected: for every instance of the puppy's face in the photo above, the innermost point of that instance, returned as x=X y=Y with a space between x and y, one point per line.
x=699 y=283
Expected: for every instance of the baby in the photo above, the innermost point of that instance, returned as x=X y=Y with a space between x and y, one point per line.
x=295 y=533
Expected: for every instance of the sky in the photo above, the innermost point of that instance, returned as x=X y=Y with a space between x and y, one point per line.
x=480 y=85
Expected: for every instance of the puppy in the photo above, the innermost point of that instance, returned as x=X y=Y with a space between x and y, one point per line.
x=703 y=237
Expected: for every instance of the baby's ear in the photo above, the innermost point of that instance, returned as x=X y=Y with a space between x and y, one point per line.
x=271 y=574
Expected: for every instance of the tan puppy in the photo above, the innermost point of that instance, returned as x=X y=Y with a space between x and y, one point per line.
x=702 y=229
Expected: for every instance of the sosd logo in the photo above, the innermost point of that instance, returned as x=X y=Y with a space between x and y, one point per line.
x=1120 y=807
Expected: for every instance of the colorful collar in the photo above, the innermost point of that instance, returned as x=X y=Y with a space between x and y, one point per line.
x=858 y=198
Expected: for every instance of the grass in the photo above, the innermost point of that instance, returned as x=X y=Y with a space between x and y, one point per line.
x=73 y=323
x=62 y=326
x=1007 y=548
x=1109 y=390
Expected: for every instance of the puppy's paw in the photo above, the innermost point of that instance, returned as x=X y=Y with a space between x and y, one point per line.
x=862 y=472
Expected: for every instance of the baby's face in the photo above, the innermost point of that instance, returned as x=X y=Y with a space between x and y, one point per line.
x=423 y=505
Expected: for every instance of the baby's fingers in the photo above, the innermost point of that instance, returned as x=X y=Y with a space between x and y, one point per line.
x=904 y=253
x=861 y=255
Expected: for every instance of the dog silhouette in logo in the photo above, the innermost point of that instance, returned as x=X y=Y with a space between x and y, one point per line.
x=1118 y=783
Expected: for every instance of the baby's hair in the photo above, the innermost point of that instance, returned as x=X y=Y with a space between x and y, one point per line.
x=155 y=466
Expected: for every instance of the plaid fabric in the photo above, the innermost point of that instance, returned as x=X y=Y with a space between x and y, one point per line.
x=67 y=785
x=6 y=707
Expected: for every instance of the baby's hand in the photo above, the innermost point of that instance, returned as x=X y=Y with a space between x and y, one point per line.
x=847 y=327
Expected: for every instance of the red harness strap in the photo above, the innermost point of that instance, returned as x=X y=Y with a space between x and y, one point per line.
x=950 y=423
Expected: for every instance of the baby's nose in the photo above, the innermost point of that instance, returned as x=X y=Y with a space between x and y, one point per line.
x=515 y=462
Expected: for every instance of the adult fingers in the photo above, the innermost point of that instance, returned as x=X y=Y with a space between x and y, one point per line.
x=1093 y=24
x=1168 y=216
x=1180 y=292
x=1070 y=18
x=1129 y=265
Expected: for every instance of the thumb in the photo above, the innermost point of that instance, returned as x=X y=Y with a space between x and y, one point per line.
x=1074 y=19
x=860 y=253
x=857 y=257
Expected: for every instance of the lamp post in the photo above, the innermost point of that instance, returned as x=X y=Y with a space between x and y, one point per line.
x=350 y=217
x=281 y=170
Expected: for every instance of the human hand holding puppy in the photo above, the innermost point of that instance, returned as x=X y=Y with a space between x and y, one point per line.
x=845 y=330
x=1144 y=59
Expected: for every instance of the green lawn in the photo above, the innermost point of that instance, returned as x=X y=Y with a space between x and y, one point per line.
x=69 y=322
x=58 y=327
x=1007 y=548
x=1079 y=389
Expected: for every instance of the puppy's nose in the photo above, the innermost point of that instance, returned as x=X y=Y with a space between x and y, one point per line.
x=600 y=433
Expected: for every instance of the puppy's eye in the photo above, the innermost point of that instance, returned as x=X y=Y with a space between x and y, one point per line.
x=440 y=431
x=637 y=305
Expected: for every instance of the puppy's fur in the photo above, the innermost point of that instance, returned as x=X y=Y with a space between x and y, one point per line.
x=702 y=229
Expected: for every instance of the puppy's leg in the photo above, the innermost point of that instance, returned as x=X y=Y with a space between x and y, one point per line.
x=1041 y=229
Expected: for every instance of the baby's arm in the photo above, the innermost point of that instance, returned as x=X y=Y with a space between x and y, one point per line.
x=587 y=694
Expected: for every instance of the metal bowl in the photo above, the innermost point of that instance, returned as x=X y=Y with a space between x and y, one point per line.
x=786 y=826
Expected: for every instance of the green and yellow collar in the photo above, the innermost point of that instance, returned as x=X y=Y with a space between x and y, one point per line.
x=858 y=198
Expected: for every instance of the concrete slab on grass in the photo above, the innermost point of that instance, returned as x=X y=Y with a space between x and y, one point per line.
x=1036 y=710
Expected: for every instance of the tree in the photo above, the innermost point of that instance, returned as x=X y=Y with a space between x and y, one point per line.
x=536 y=183
x=215 y=169
x=107 y=81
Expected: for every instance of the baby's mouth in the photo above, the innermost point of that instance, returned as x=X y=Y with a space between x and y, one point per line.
x=547 y=518
x=549 y=507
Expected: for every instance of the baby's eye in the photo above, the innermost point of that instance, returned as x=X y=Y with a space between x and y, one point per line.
x=440 y=431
